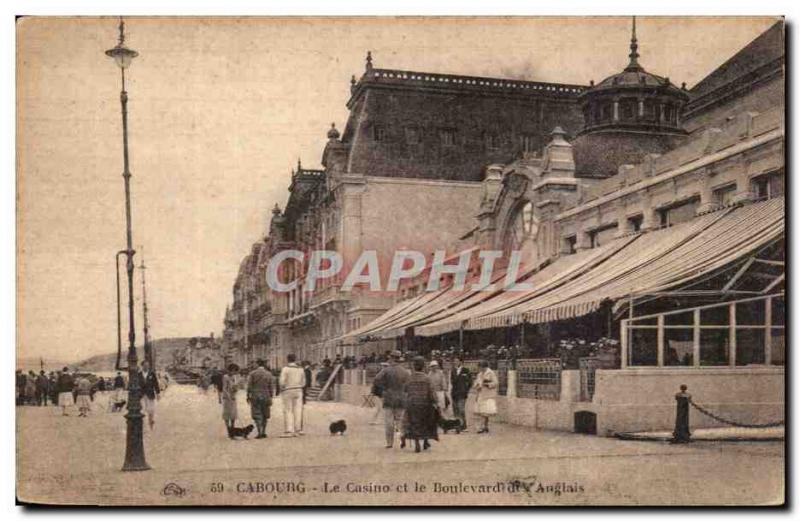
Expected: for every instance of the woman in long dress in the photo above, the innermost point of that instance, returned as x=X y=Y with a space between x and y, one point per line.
x=486 y=384
x=84 y=387
x=229 y=388
x=421 y=409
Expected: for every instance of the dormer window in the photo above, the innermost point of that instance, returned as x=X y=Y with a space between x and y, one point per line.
x=378 y=133
x=669 y=114
x=491 y=140
x=448 y=137
x=527 y=143
x=412 y=135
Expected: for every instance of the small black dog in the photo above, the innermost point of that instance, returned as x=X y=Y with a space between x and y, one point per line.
x=450 y=425
x=240 y=432
x=118 y=406
x=338 y=427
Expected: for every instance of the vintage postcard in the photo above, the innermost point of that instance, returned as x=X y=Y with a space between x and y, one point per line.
x=420 y=261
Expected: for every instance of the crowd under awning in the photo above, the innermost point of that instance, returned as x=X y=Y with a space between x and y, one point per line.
x=578 y=284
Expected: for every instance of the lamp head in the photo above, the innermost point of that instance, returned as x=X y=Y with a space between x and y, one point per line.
x=121 y=54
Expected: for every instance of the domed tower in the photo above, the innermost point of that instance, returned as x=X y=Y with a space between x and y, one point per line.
x=627 y=116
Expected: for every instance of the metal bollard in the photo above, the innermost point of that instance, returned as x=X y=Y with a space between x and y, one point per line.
x=681 y=433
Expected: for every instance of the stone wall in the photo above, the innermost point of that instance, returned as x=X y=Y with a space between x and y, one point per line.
x=640 y=399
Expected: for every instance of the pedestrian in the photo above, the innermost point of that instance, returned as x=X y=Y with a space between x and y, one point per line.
x=83 y=387
x=151 y=392
x=323 y=375
x=486 y=386
x=30 y=388
x=460 y=384
x=259 y=396
x=421 y=407
x=228 y=398
x=307 y=372
x=438 y=384
x=20 y=388
x=118 y=393
x=291 y=382
x=376 y=418
x=42 y=388
x=389 y=384
x=64 y=384
x=52 y=388
x=216 y=380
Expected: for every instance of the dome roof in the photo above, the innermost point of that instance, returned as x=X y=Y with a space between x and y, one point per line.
x=333 y=133
x=635 y=77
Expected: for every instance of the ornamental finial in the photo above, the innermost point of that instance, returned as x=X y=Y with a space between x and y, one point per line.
x=121 y=32
x=369 y=60
x=634 y=54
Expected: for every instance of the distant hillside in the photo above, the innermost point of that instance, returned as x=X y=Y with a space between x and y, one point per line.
x=164 y=348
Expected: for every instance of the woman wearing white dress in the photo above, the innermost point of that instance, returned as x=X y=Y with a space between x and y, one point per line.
x=485 y=386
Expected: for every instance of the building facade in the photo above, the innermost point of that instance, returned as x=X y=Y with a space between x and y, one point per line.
x=428 y=161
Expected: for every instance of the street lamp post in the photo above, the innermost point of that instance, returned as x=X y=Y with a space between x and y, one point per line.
x=134 y=446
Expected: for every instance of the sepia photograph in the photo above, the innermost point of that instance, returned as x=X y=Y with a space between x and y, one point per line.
x=411 y=261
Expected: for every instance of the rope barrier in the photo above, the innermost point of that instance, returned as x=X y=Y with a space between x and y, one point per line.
x=734 y=423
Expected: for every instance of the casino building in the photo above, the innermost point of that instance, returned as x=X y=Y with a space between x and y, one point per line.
x=646 y=212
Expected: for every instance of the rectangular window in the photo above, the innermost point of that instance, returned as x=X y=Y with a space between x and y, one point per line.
x=527 y=143
x=569 y=244
x=379 y=133
x=767 y=186
x=412 y=135
x=628 y=108
x=678 y=213
x=601 y=236
x=635 y=222
x=723 y=196
x=650 y=108
x=491 y=141
x=448 y=137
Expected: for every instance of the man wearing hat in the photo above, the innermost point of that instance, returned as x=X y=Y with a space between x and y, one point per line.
x=389 y=384
x=438 y=385
x=259 y=395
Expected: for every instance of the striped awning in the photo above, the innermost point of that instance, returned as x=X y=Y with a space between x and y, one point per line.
x=656 y=261
x=546 y=279
x=577 y=284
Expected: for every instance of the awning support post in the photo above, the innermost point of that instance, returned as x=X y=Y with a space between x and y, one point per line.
x=768 y=331
x=732 y=335
x=696 y=339
x=660 y=342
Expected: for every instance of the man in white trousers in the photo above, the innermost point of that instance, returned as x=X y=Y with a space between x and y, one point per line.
x=292 y=381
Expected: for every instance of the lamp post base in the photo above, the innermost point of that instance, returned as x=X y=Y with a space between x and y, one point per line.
x=134 y=446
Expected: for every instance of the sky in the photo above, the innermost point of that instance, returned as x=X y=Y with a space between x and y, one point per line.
x=220 y=109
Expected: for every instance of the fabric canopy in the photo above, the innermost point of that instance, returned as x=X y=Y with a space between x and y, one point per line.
x=548 y=278
x=577 y=284
x=655 y=262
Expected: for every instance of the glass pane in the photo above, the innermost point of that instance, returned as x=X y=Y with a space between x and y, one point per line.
x=718 y=316
x=644 y=321
x=750 y=313
x=643 y=347
x=714 y=347
x=778 y=311
x=750 y=346
x=679 y=319
x=678 y=346
x=778 y=346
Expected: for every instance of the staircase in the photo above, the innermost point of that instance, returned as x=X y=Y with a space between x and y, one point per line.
x=312 y=394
